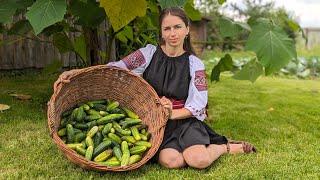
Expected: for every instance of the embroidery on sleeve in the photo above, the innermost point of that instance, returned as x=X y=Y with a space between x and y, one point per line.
x=200 y=80
x=134 y=60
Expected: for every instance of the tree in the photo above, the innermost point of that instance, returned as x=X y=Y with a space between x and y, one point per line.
x=135 y=27
x=255 y=9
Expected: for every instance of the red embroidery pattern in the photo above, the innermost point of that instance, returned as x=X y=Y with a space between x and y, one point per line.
x=200 y=80
x=134 y=60
x=177 y=104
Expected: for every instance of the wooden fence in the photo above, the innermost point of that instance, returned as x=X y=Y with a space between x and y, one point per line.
x=27 y=53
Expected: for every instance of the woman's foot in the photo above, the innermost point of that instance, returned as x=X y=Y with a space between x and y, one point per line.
x=236 y=147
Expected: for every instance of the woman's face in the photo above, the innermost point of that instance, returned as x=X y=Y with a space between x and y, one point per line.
x=173 y=31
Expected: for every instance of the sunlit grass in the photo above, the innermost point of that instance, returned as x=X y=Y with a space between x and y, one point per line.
x=280 y=116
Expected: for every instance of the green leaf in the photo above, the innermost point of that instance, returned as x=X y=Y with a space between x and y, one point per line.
x=171 y=3
x=154 y=19
x=148 y=39
x=44 y=13
x=62 y=42
x=7 y=10
x=251 y=71
x=81 y=11
x=21 y=27
x=191 y=12
x=273 y=47
x=80 y=47
x=229 y=28
x=225 y=64
x=243 y=25
x=121 y=12
x=53 y=29
x=294 y=26
x=128 y=32
x=120 y=36
x=221 y=1
x=153 y=6
x=23 y=4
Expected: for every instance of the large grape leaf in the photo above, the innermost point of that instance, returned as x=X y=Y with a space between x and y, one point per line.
x=273 y=47
x=80 y=10
x=44 y=13
x=171 y=3
x=121 y=12
x=225 y=64
x=21 y=27
x=50 y=30
x=191 y=12
x=251 y=71
x=7 y=10
x=62 y=42
x=22 y=4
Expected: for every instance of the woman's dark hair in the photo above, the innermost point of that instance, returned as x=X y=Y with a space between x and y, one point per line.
x=176 y=11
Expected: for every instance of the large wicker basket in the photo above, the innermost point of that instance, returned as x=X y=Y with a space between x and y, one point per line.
x=101 y=82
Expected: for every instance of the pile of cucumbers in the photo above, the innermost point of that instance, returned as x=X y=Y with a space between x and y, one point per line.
x=105 y=133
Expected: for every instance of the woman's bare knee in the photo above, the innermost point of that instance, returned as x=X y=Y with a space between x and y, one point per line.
x=171 y=158
x=197 y=156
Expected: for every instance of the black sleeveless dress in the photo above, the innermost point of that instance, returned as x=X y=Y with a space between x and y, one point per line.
x=170 y=77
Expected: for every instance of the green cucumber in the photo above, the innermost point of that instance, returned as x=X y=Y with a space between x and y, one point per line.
x=135 y=133
x=89 y=153
x=108 y=118
x=79 y=137
x=138 y=149
x=97 y=139
x=93 y=131
x=70 y=133
x=134 y=158
x=106 y=129
x=101 y=147
x=117 y=152
x=130 y=122
x=130 y=113
x=115 y=138
x=143 y=143
x=103 y=156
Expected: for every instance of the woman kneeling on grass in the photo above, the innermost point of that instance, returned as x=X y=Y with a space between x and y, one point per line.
x=178 y=77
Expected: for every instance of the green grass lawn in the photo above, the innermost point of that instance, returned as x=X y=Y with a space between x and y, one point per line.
x=287 y=138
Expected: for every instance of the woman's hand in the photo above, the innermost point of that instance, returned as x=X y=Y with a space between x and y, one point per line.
x=64 y=77
x=167 y=104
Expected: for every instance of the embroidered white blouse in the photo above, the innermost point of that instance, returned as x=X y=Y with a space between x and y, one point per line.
x=197 y=99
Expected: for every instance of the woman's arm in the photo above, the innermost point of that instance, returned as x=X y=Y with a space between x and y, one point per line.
x=137 y=61
x=182 y=113
x=175 y=114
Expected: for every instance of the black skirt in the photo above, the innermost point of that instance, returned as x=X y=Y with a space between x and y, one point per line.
x=181 y=134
